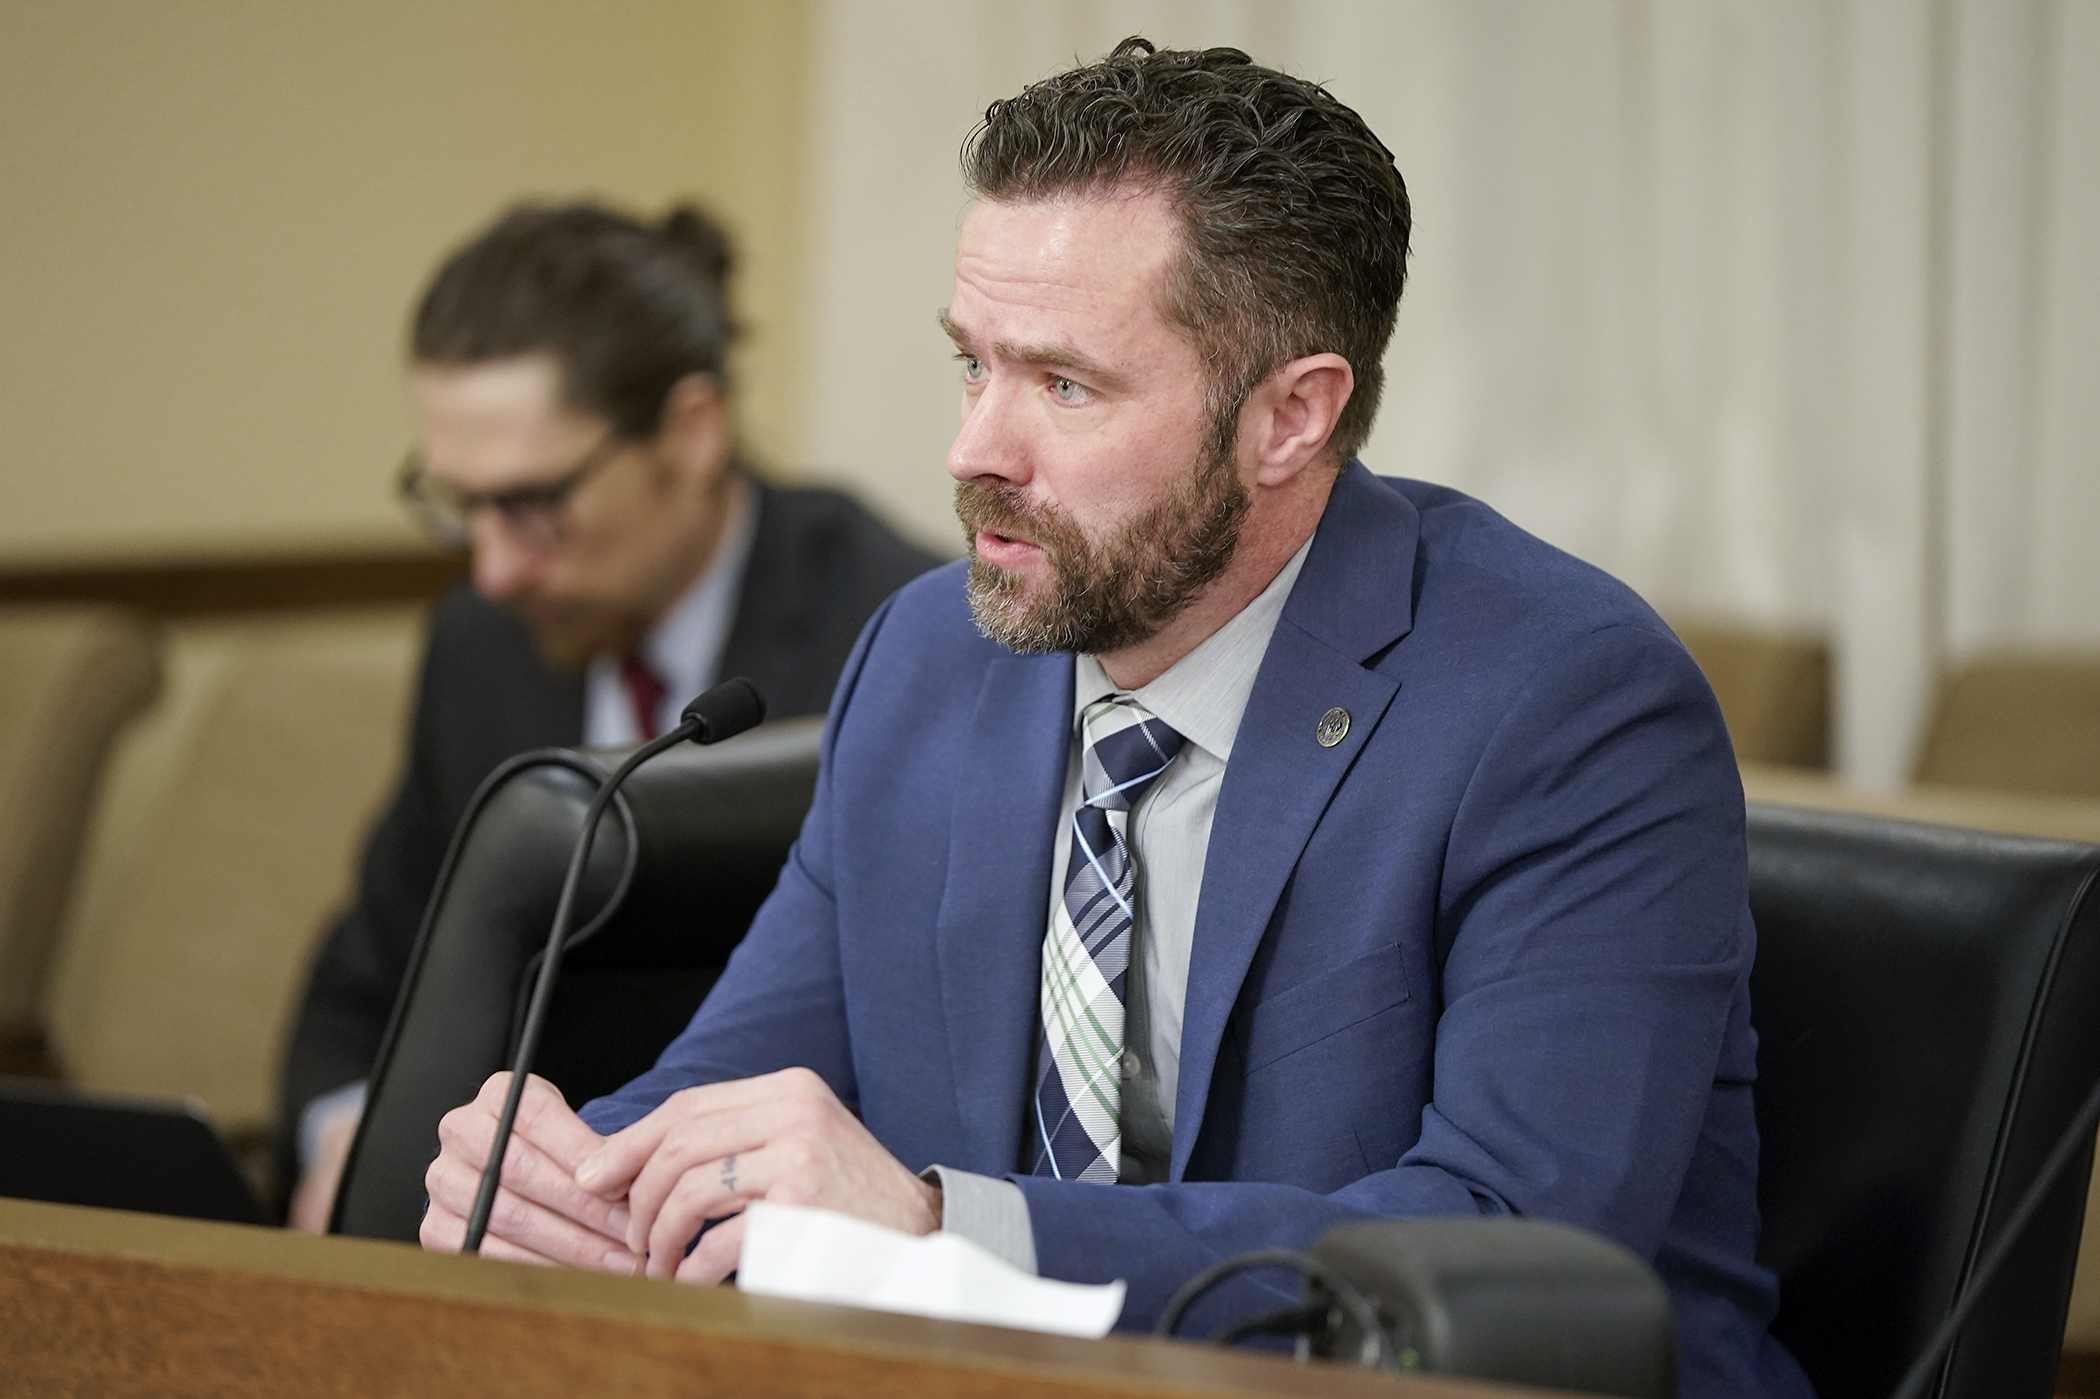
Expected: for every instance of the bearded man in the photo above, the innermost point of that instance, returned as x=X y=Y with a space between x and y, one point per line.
x=1240 y=843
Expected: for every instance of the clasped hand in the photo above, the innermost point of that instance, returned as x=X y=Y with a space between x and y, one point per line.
x=630 y=1202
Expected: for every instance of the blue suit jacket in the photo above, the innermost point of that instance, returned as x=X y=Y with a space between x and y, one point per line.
x=1489 y=953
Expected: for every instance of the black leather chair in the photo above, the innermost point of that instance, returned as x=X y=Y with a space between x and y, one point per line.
x=689 y=849
x=1927 y=1002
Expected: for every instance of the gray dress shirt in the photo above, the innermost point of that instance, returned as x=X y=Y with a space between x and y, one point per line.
x=684 y=648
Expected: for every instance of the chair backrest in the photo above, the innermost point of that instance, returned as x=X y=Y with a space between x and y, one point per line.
x=690 y=848
x=1925 y=1000
x=1773 y=688
x=70 y=677
x=228 y=828
x=2027 y=722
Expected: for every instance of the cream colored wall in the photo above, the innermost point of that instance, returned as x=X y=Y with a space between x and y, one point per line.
x=218 y=214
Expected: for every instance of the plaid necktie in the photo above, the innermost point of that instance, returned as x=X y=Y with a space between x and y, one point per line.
x=1086 y=954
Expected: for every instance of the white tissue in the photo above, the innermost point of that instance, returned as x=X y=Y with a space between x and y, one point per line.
x=822 y=1256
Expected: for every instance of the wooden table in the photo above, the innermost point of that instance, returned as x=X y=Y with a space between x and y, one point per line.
x=107 y=1303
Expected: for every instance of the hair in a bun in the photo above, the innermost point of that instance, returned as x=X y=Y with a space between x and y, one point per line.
x=628 y=309
x=701 y=239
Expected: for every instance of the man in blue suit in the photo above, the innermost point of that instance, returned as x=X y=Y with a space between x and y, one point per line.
x=1239 y=843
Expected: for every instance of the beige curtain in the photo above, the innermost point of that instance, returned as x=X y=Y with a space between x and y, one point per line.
x=1781 y=311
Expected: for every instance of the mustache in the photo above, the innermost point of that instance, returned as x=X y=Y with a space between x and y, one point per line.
x=1000 y=507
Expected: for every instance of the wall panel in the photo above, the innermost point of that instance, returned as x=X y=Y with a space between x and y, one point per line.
x=219 y=213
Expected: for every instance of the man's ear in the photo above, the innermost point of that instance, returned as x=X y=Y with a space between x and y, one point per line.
x=693 y=435
x=1291 y=415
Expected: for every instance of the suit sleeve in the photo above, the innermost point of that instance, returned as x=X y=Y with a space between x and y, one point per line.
x=1595 y=937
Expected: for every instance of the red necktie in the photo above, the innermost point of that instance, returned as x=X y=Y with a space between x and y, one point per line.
x=647 y=693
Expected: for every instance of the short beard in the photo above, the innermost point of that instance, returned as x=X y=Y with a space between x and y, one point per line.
x=1114 y=595
x=570 y=637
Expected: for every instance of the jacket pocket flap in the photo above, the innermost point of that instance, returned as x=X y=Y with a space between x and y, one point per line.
x=1326 y=1005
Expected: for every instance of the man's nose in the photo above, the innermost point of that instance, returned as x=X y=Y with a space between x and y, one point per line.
x=503 y=565
x=990 y=440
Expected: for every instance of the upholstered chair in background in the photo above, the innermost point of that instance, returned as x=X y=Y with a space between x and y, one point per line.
x=227 y=833
x=1774 y=690
x=2017 y=722
x=71 y=677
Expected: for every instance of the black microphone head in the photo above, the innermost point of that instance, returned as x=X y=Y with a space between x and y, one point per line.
x=726 y=710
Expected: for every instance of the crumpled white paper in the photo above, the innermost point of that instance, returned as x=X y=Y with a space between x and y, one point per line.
x=821 y=1256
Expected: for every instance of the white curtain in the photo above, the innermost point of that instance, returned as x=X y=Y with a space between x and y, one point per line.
x=1781 y=311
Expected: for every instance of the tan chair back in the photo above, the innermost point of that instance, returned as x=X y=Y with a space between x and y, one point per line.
x=1774 y=690
x=2020 y=723
x=231 y=831
x=71 y=676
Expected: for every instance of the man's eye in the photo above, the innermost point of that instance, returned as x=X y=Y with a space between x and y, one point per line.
x=973 y=367
x=1067 y=391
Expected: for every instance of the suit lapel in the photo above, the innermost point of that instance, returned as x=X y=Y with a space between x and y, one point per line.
x=562 y=718
x=772 y=619
x=995 y=905
x=1352 y=601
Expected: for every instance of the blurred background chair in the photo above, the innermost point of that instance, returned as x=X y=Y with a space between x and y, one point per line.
x=224 y=837
x=71 y=677
x=1774 y=690
x=686 y=854
x=2021 y=722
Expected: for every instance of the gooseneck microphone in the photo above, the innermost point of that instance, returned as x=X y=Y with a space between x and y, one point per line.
x=728 y=709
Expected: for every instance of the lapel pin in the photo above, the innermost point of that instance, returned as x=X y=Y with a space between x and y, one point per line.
x=1333 y=727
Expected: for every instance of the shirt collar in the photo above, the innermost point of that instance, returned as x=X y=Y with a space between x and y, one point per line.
x=685 y=645
x=1202 y=695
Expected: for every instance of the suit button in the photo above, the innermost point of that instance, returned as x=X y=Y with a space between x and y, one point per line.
x=1130 y=1064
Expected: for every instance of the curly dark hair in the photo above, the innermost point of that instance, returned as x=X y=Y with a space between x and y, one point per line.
x=629 y=309
x=1295 y=220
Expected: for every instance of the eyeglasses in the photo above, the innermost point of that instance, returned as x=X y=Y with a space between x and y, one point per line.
x=536 y=514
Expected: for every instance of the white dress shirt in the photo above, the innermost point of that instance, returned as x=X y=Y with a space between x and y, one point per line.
x=684 y=648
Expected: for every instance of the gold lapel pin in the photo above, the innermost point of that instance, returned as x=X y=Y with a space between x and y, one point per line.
x=1333 y=727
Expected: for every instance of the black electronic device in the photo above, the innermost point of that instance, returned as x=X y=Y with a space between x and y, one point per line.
x=159 y=1157
x=1524 y=1301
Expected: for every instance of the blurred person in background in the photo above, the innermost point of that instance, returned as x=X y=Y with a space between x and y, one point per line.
x=574 y=433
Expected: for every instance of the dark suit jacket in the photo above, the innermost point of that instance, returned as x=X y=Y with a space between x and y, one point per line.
x=1488 y=953
x=819 y=565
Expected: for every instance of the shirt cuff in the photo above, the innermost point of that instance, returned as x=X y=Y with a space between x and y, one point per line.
x=991 y=1213
x=315 y=1117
